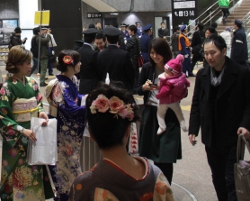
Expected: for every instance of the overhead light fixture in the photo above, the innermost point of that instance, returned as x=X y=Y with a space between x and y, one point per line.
x=114 y=13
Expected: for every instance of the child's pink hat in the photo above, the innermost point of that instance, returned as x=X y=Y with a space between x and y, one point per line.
x=175 y=65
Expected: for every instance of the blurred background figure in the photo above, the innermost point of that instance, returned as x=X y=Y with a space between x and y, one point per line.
x=34 y=50
x=163 y=31
x=174 y=41
x=239 y=51
x=15 y=39
x=145 y=40
x=125 y=33
x=226 y=34
x=224 y=4
x=197 y=41
x=139 y=29
x=52 y=44
x=98 y=26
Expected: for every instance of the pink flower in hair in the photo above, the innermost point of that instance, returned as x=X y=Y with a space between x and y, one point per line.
x=116 y=105
x=101 y=103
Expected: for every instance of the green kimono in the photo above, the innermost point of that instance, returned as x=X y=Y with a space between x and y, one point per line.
x=18 y=103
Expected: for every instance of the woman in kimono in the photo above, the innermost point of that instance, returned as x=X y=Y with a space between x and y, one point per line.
x=20 y=100
x=65 y=105
x=110 y=110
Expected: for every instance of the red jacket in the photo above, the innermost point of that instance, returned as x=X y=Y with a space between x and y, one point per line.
x=173 y=89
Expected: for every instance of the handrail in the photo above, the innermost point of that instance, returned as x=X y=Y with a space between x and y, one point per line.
x=208 y=18
x=204 y=12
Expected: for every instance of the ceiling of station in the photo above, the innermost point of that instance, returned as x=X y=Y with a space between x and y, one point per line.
x=100 y=5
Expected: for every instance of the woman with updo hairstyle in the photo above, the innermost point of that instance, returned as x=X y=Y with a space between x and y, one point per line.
x=20 y=100
x=110 y=110
x=65 y=105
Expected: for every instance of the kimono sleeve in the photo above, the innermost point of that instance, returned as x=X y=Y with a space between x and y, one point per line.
x=63 y=96
x=7 y=123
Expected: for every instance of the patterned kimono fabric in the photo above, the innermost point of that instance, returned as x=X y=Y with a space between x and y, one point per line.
x=18 y=103
x=71 y=123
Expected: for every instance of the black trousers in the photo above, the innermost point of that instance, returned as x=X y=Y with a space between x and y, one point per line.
x=194 y=61
x=221 y=161
x=225 y=12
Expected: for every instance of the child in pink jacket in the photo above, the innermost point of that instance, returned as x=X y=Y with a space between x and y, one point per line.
x=172 y=88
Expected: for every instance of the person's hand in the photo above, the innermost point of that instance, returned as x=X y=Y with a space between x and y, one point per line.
x=244 y=131
x=186 y=56
x=149 y=86
x=53 y=52
x=192 y=139
x=43 y=115
x=30 y=134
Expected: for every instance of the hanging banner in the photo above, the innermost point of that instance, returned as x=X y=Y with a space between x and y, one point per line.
x=42 y=18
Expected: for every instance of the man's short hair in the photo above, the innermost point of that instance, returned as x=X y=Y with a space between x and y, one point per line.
x=133 y=28
x=100 y=35
x=113 y=39
x=176 y=28
x=201 y=26
x=162 y=23
x=217 y=40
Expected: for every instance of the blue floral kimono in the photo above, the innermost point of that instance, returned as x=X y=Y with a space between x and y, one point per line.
x=65 y=105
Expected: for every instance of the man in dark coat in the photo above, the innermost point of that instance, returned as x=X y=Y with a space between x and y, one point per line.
x=145 y=40
x=163 y=31
x=197 y=40
x=89 y=76
x=221 y=108
x=115 y=61
x=134 y=48
x=239 y=51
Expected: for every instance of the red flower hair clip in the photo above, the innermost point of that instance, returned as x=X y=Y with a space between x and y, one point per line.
x=67 y=59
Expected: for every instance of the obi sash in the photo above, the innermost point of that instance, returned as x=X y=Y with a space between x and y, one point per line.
x=23 y=109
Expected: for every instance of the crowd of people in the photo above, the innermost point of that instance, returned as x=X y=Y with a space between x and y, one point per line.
x=220 y=108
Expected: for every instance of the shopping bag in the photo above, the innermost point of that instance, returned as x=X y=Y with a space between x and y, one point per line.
x=140 y=60
x=242 y=171
x=44 y=150
x=133 y=145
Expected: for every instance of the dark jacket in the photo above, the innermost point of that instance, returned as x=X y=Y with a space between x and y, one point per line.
x=219 y=119
x=147 y=73
x=174 y=42
x=44 y=48
x=34 y=47
x=89 y=76
x=145 y=40
x=118 y=64
x=16 y=40
x=198 y=38
x=239 y=50
x=162 y=32
x=134 y=47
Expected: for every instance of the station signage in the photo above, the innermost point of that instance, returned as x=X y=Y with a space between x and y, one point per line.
x=183 y=11
x=94 y=15
x=184 y=8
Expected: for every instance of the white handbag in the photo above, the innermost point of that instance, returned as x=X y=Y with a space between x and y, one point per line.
x=44 y=150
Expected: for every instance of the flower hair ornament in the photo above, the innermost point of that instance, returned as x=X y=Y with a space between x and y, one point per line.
x=67 y=59
x=115 y=106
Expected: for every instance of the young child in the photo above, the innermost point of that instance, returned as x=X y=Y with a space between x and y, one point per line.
x=172 y=88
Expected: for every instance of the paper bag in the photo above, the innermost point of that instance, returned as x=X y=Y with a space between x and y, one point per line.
x=44 y=150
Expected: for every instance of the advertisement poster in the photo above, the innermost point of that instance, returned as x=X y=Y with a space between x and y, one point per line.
x=6 y=29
